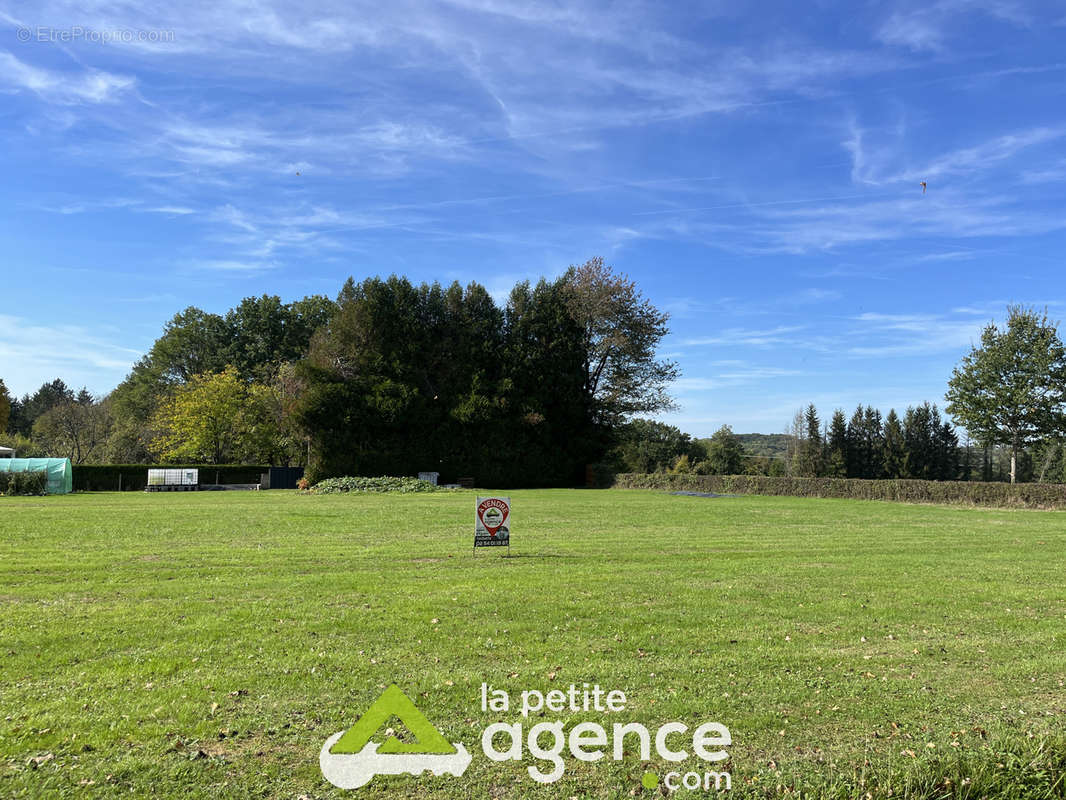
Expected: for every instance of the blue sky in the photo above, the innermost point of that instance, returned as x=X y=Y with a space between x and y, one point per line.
x=753 y=166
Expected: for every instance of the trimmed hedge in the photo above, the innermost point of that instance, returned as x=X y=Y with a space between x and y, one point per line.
x=31 y=483
x=382 y=484
x=969 y=493
x=134 y=477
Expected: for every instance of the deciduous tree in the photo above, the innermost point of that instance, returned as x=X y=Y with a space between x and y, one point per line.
x=1011 y=388
x=649 y=446
x=620 y=332
x=215 y=418
x=725 y=453
x=76 y=429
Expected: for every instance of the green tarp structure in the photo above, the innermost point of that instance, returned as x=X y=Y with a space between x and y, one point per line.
x=60 y=472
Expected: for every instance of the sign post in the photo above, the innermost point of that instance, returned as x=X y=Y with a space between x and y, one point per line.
x=492 y=522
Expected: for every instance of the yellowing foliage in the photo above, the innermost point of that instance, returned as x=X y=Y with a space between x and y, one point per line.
x=215 y=418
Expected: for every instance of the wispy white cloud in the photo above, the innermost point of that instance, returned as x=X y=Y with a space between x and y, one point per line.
x=748 y=336
x=691 y=307
x=233 y=216
x=87 y=86
x=949 y=255
x=945 y=213
x=885 y=160
x=75 y=353
x=847 y=271
x=89 y=205
x=284 y=144
x=638 y=74
x=916 y=31
x=929 y=26
x=178 y=211
x=985 y=155
x=911 y=334
x=737 y=376
x=1055 y=172
x=991 y=309
x=754 y=373
x=148 y=298
x=229 y=265
x=810 y=296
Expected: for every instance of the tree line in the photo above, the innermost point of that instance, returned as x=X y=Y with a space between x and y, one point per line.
x=388 y=378
x=394 y=378
x=1009 y=393
x=920 y=445
x=186 y=368
x=407 y=378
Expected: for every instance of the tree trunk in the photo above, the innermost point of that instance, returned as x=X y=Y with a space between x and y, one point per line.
x=1047 y=464
x=1013 y=462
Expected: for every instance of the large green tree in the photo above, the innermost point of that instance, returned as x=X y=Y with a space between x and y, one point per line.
x=865 y=444
x=649 y=446
x=895 y=450
x=407 y=378
x=1011 y=388
x=621 y=331
x=837 y=446
x=262 y=332
x=725 y=453
x=215 y=418
x=194 y=342
x=256 y=337
x=5 y=407
x=544 y=358
x=930 y=445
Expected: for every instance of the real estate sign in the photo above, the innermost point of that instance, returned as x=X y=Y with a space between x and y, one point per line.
x=492 y=522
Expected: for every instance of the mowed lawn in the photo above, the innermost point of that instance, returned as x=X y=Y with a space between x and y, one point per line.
x=206 y=645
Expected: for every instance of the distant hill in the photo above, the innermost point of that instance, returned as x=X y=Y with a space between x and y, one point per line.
x=764 y=444
x=773 y=445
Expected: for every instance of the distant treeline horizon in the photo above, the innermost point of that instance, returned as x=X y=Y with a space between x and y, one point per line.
x=393 y=378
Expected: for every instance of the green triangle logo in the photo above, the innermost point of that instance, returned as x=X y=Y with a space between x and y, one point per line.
x=393 y=703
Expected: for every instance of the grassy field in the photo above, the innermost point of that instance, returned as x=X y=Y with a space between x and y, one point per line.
x=206 y=645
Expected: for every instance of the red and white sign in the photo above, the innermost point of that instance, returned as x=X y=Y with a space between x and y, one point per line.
x=492 y=524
